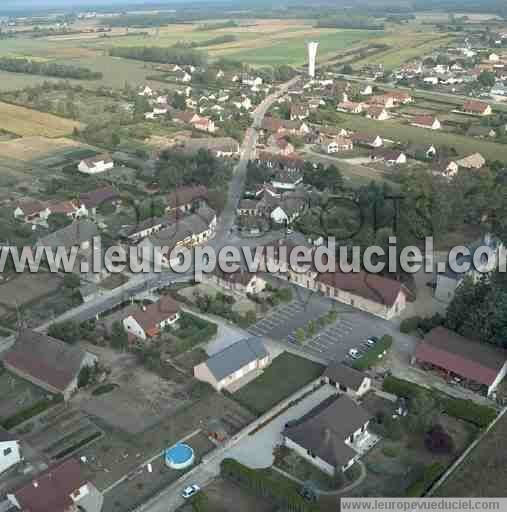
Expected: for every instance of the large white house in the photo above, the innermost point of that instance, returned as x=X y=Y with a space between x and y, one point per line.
x=96 y=164
x=10 y=452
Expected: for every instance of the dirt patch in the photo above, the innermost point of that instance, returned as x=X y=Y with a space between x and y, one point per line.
x=28 y=288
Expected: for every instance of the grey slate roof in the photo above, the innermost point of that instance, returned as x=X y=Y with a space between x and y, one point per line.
x=235 y=357
x=71 y=235
x=345 y=375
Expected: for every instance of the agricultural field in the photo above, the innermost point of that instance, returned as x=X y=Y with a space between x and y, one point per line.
x=407 y=134
x=26 y=122
x=488 y=460
x=28 y=149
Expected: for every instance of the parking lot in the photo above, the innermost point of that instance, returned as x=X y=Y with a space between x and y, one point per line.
x=351 y=329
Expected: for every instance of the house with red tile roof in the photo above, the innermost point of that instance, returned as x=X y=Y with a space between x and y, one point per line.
x=150 y=320
x=482 y=366
x=427 y=121
x=60 y=488
x=477 y=108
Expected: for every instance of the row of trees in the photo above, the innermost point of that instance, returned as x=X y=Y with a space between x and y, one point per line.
x=31 y=67
x=171 y=55
x=226 y=38
x=351 y=22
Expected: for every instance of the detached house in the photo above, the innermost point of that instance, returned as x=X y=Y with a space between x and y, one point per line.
x=10 y=451
x=96 y=164
x=47 y=362
x=186 y=197
x=298 y=112
x=364 y=139
x=235 y=365
x=336 y=145
x=384 y=101
x=477 y=108
x=377 y=113
x=429 y=122
x=199 y=123
x=350 y=106
x=286 y=179
x=32 y=212
x=475 y=161
x=347 y=380
x=61 y=488
x=149 y=321
x=94 y=199
x=330 y=438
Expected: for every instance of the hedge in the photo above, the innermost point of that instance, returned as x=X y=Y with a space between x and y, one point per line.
x=262 y=483
x=30 y=412
x=410 y=324
x=371 y=357
x=421 y=486
x=467 y=410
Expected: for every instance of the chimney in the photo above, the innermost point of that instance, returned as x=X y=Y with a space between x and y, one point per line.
x=35 y=484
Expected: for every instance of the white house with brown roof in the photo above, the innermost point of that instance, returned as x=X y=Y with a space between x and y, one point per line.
x=150 y=320
x=32 y=212
x=350 y=106
x=428 y=122
x=377 y=113
x=336 y=145
x=241 y=281
x=96 y=164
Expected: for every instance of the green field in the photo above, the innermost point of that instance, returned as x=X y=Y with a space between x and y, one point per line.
x=412 y=135
x=287 y=374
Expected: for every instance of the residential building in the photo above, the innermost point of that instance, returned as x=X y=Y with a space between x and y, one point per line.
x=287 y=211
x=220 y=147
x=295 y=127
x=401 y=97
x=237 y=364
x=280 y=145
x=147 y=227
x=186 y=198
x=93 y=199
x=365 y=139
x=350 y=106
x=446 y=168
x=347 y=380
x=61 y=488
x=377 y=113
x=78 y=234
x=32 y=212
x=330 y=435
x=150 y=320
x=245 y=283
x=146 y=91
x=383 y=100
x=482 y=132
x=298 y=112
x=198 y=122
x=480 y=365
x=421 y=152
x=286 y=179
x=427 y=121
x=96 y=164
x=336 y=145
x=391 y=157
x=477 y=108
x=10 y=450
x=47 y=362
x=372 y=293
x=291 y=163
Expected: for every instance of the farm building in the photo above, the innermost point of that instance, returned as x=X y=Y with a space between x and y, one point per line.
x=234 y=365
x=481 y=366
x=330 y=437
x=47 y=362
x=96 y=164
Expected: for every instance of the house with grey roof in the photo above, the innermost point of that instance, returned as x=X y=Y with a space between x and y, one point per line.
x=331 y=435
x=347 y=379
x=78 y=234
x=234 y=366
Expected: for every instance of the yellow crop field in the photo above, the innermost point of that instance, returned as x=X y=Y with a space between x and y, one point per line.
x=26 y=122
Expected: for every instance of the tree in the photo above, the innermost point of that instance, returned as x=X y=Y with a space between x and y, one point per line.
x=119 y=337
x=179 y=102
x=487 y=79
x=300 y=335
x=67 y=331
x=347 y=69
x=84 y=376
x=115 y=139
x=437 y=440
x=71 y=281
x=423 y=409
x=58 y=221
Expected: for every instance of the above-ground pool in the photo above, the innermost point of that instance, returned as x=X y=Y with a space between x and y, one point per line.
x=179 y=456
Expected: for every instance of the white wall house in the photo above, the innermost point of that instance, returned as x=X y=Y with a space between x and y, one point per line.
x=96 y=164
x=10 y=451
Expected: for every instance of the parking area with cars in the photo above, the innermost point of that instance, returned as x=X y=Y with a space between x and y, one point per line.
x=351 y=329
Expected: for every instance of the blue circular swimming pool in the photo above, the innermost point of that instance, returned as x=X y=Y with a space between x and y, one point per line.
x=179 y=456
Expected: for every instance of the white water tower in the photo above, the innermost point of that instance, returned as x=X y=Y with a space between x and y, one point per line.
x=312 y=57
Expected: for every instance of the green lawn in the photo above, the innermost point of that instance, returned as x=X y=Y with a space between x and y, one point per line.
x=287 y=374
x=407 y=134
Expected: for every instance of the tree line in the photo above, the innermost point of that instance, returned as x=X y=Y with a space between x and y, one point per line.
x=171 y=55
x=217 y=26
x=351 y=22
x=30 y=67
x=226 y=38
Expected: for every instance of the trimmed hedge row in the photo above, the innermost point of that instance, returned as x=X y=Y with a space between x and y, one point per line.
x=372 y=356
x=30 y=412
x=480 y=415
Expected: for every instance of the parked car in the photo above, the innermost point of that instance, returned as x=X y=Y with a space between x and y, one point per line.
x=372 y=340
x=190 y=491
